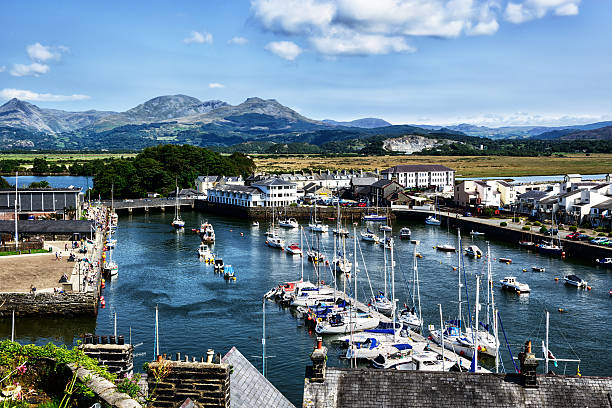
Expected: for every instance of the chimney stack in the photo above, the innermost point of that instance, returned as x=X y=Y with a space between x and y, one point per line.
x=529 y=366
x=319 y=362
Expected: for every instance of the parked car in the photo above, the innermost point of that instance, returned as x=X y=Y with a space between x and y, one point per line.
x=467 y=214
x=362 y=204
x=573 y=236
x=584 y=237
x=599 y=240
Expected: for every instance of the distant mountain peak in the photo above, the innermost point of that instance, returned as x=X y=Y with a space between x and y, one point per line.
x=366 y=123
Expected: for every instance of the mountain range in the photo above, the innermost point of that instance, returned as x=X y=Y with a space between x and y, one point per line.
x=185 y=119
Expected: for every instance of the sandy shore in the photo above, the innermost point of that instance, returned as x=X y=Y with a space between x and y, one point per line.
x=18 y=273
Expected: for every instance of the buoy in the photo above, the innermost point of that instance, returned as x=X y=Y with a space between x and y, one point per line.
x=518 y=292
x=561 y=310
x=563 y=254
x=454 y=268
x=588 y=288
x=524 y=270
x=102 y=285
x=556 y=279
x=242 y=234
x=508 y=263
x=101 y=298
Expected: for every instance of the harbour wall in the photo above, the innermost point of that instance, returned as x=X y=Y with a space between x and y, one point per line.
x=347 y=214
x=47 y=304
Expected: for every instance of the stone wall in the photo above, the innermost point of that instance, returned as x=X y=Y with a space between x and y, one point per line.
x=43 y=304
x=206 y=383
x=105 y=390
x=348 y=214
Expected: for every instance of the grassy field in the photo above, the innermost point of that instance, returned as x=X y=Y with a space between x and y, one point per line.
x=63 y=156
x=468 y=166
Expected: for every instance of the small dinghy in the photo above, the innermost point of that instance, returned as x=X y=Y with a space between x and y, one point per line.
x=405 y=233
x=574 y=280
x=446 y=248
x=476 y=233
x=294 y=249
x=510 y=283
x=228 y=273
x=473 y=251
x=538 y=269
x=505 y=260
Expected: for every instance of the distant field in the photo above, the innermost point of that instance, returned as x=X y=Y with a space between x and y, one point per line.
x=63 y=156
x=469 y=166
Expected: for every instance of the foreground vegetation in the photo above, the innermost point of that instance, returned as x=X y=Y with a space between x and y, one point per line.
x=468 y=166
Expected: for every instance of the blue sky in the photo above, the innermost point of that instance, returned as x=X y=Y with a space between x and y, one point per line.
x=493 y=62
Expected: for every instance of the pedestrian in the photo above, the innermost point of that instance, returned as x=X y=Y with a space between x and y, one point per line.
x=66 y=247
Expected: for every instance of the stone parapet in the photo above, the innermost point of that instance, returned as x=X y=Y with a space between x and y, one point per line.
x=47 y=304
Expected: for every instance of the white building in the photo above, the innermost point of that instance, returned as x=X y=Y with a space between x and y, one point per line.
x=265 y=193
x=243 y=196
x=277 y=192
x=422 y=176
x=477 y=193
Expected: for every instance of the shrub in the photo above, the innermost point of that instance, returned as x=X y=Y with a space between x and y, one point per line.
x=601 y=234
x=599 y=229
x=581 y=231
x=610 y=234
x=561 y=228
x=526 y=228
x=537 y=223
x=528 y=223
x=516 y=219
x=503 y=224
x=573 y=228
x=543 y=230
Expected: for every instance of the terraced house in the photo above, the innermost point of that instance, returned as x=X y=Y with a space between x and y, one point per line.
x=422 y=176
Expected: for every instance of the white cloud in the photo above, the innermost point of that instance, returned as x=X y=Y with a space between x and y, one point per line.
x=352 y=43
x=199 y=38
x=532 y=9
x=284 y=49
x=34 y=69
x=9 y=93
x=387 y=26
x=215 y=85
x=239 y=41
x=39 y=52
x=2 y=68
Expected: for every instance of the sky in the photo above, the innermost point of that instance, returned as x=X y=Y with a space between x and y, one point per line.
x=487 y=62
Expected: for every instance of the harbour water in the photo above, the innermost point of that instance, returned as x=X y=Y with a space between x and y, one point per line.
x=54 y=181
x=199 y=310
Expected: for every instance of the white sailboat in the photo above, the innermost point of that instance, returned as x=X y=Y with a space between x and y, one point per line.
x=288 y=223
x=432 y=219
x=317 y=226
x=409 y=316
x=111 y=267
x=273 y=240
x=369 y=236
x=340 y=263
x=178 y=222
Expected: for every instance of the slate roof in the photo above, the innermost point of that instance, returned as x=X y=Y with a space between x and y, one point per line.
x=412 y=168
x=606 y=205
x=533 y=194
x=382 y=183
x=571 y=193
x=47 y=227
x=208 y=179
x=273 y=182
x=363 y=181
x=361 y=388
x=236 y=188
x=248 y=388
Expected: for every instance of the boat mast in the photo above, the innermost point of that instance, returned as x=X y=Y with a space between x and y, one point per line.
x=302 y=249
x=156 y=342
x=546 y=353
x=459 y=275
x=263 y=339
x=13 y=327
x=489 y=291
x=475 y=360
x=385 y=257
x=353 y=309
x=417 y=285
x=496 y=341
x=441 y=333
x=393 y=291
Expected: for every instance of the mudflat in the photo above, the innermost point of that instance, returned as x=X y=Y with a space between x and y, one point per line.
x=18 y=273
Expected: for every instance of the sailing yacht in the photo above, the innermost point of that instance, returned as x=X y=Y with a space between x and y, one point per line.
x=369 y=236
x=409 y=316
x=288 y=223
x=178 y=222
x=432 y=220
x=111 y=267
x=425 y=360
x=317 y=226
x=273 y=240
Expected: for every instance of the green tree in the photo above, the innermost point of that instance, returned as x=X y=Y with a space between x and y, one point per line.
x=40 y=184
x=40 y=165
x=4 y=183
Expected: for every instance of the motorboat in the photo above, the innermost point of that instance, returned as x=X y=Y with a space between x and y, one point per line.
x=219 y=265
x=604 y=262
x=386 y=228
x=341 y=323
x=205 y=254
x=476 y=233
x=111 y=243
x=549 y=248
x=446 y=248
x=288 y=223
x=228 y=273
x=505 y=260
x=432 y=220
x=207 y=233
x=375 y=217
x=473 y=251
x=293 y=249
x=274 y=241
x=369 y=236
x=538 y=269
x=574 y=280
x=255 y=224
x=372 y=348
x=318 y=227
x=510 y=283
x=527 y=244
x=405 y=233
x=315 y=255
